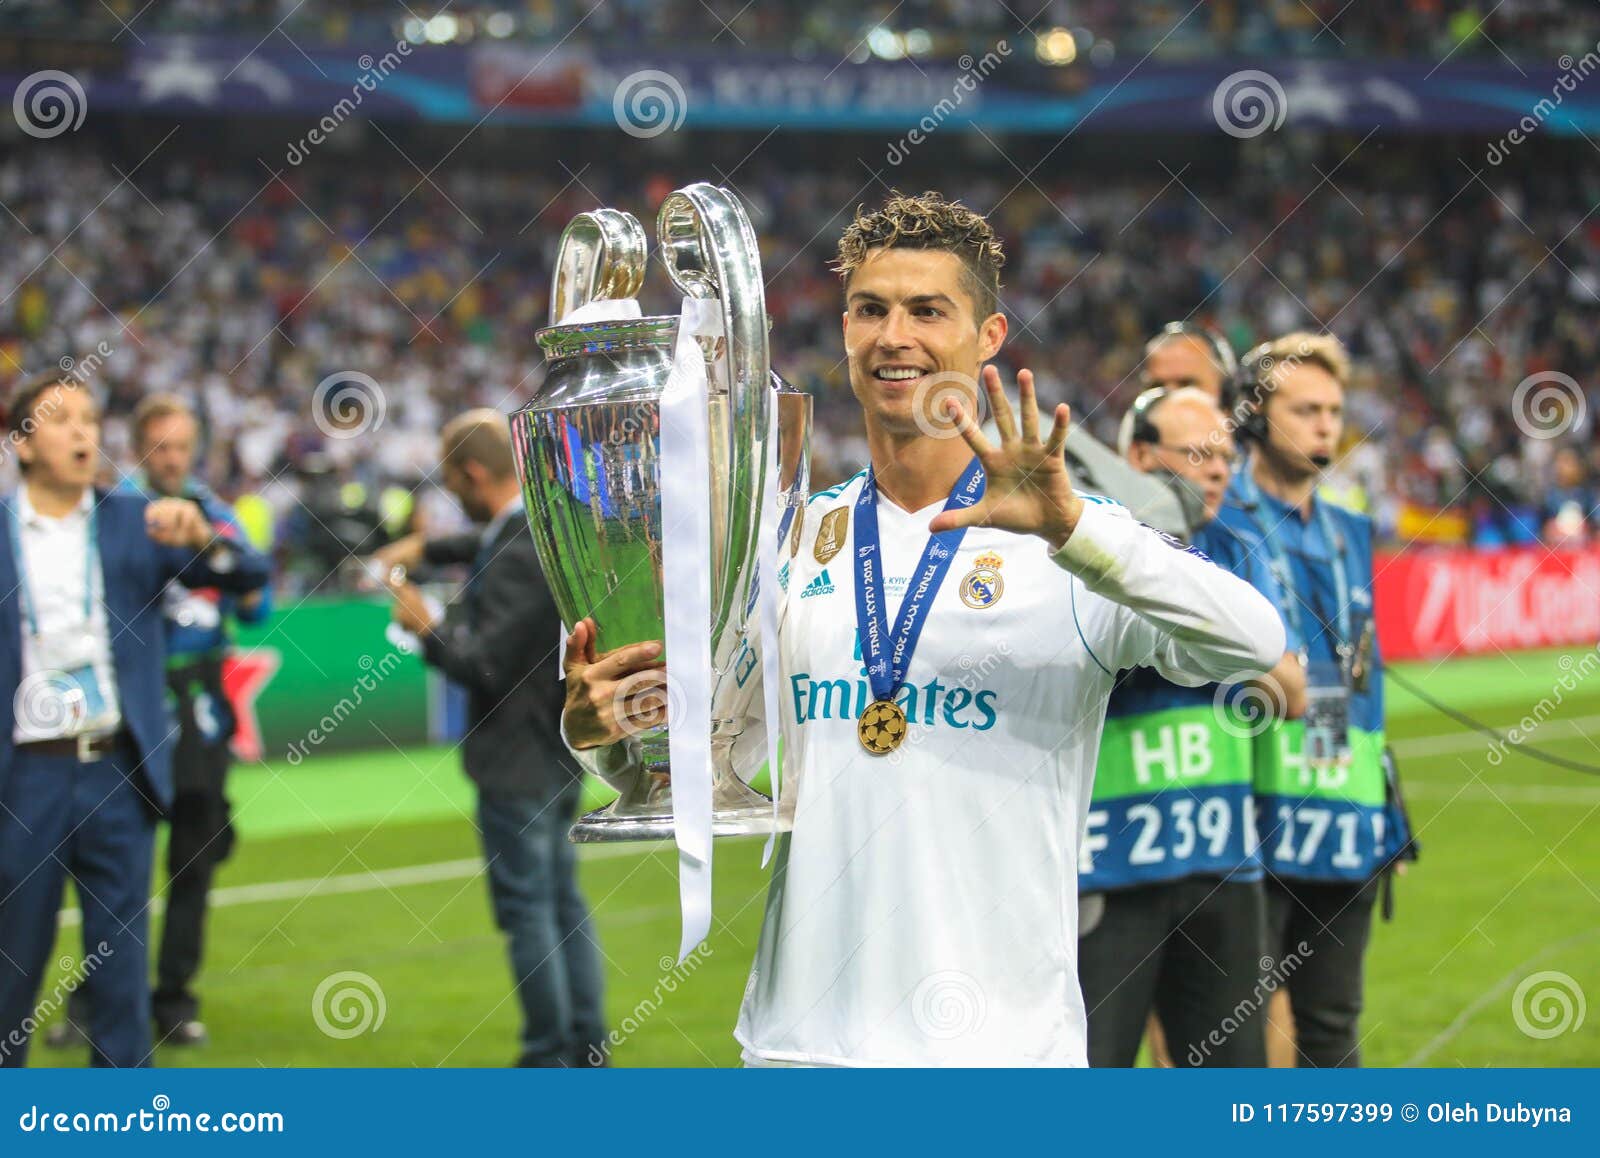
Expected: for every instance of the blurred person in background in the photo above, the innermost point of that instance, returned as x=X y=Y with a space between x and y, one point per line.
x=496 y=642
x=1171 y=912
x=166 y=440
x=86 y=765
x=1184 y=354
x=1568 y=507
x=1327 y=806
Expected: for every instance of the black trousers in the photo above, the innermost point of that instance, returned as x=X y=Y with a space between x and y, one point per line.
x=1191 y=951
x=200 y=837
x=1317 y=939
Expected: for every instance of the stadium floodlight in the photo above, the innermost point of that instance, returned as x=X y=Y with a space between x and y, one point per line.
x=442 y=29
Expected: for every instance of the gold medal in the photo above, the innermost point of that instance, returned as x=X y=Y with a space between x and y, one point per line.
x=882 y=727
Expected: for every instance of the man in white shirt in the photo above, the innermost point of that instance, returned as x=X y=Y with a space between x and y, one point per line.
x=87 y=763
x=946 y=659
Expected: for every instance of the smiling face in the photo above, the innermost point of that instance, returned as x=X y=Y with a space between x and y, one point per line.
x=913 y=337
x=61 y=441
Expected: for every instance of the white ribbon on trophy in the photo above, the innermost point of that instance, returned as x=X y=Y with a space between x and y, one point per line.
x=766 y=626
x=685 y=557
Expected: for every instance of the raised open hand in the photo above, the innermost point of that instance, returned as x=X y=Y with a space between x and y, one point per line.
x=1028 y=490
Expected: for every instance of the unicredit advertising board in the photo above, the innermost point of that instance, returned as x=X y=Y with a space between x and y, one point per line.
x=1438 y=603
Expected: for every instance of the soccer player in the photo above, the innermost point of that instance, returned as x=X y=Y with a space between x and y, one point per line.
x=955 y=615
x=1171 y=905
x=1326 y=822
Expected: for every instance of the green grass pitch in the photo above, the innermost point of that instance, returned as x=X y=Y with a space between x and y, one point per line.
x=368 y=864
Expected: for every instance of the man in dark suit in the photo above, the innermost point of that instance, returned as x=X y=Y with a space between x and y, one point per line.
x=86 y=764
x=498 y=641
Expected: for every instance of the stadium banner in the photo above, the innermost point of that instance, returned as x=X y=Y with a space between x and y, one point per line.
x=1431 y=604
x=1002 y=89
x=410 y=1111
x=321 y=676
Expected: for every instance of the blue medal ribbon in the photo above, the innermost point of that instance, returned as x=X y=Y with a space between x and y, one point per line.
x=888 y=656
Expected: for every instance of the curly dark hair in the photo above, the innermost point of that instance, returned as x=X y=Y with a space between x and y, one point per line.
x=928 y=222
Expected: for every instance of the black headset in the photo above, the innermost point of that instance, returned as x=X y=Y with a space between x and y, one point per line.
x=1250 y=384
x=1136 y=424
x=1221 y=349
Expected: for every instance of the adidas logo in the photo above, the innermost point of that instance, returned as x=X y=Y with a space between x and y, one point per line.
x=821 y=585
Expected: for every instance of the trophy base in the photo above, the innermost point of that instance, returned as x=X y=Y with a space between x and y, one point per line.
x=739 y=811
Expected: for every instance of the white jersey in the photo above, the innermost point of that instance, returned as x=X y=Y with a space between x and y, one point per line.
x=924 y=909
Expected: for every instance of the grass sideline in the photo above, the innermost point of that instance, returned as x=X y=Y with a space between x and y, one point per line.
x=368 y=864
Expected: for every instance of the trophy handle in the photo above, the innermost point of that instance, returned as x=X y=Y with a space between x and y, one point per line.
x=602 y=257
x=710 y=251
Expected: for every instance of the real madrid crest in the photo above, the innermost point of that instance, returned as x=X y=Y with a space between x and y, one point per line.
x=830 y=536
x=982 y=586
x=799 y=521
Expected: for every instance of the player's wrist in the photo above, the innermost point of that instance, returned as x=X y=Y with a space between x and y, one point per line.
x=1062 y=522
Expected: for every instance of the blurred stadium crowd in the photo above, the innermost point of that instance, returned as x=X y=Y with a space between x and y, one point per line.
x=213 y=278
x=1538 y=28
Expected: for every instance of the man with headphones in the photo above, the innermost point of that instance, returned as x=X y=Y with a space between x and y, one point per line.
x=1327 y=826
x=1171 y=909
x=1186 y=354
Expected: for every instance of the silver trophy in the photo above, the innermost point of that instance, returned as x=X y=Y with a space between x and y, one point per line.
x=588 y=450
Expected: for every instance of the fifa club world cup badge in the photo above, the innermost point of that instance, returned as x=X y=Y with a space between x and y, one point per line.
x=830 y=536
x=982 y=586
